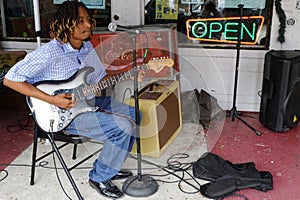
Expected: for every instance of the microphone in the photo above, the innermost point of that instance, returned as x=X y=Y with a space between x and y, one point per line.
x=113 y=27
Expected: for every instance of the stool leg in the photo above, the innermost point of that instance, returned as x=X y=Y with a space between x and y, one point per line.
x=35 y=141
x=74 y=151
x=62 y=162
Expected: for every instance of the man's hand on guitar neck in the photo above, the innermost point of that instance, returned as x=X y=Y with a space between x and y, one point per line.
x=140 y=76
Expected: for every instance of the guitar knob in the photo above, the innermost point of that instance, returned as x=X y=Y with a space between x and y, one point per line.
x=60 y=124
x=63 y=118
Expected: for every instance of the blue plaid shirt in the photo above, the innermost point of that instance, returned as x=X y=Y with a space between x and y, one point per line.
x=57 y=61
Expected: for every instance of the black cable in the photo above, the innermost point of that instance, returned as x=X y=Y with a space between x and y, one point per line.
x=19 y=126
x=6 y=174
x=250 y=116
x=259 y=93
x=174 y=167
x=14 y=165
x=177 y=166
x=42 y=164
x=54 y=162
x=124 y=94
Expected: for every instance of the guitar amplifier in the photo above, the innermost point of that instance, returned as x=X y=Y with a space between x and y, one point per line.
x=161 y=122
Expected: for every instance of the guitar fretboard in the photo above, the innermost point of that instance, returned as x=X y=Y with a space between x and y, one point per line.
x=109 y=82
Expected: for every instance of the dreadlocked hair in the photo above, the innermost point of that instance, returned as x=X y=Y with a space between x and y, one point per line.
x=65 y=20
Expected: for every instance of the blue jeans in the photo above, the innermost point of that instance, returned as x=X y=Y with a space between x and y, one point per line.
x=114 y=124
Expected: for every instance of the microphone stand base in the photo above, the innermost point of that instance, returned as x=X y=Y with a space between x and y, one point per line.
x=143 y=186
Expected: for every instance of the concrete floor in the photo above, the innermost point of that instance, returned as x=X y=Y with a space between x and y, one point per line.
x=190 y=141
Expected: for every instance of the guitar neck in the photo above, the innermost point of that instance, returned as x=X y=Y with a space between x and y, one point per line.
x=155 y=65
x=109 y=82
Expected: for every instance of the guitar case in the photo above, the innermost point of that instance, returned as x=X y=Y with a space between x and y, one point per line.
x=226 y=178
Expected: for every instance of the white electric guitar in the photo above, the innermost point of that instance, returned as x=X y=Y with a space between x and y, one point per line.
x=53 y=118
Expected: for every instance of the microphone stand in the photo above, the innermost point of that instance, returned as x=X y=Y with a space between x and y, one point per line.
x=139 y=185
x=233 y=112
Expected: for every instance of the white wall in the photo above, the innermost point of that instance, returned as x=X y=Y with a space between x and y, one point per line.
x=130 y=12
x=214 y=69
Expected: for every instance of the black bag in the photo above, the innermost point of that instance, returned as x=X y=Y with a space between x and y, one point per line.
x=190 y=106
x=226 y=178
x=200 y=107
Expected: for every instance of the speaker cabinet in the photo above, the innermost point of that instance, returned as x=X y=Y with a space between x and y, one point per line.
x=161 y=122
x=279 y=107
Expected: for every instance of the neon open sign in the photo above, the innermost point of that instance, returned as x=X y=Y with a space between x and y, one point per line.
x=225 y=29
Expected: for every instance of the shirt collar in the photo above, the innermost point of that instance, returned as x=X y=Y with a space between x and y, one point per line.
x=67 y=47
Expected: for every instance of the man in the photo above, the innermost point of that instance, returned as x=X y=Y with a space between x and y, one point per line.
x=211 y=10
x=67 y=52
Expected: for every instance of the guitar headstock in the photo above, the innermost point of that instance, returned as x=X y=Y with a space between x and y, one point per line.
x=157 y=64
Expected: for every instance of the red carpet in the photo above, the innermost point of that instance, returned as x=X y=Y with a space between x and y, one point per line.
x=13 y=144
x=15 y=127
x=278 y=153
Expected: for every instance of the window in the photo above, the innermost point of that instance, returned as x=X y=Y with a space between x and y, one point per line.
x=18 y=18
x=209 y=23
x=215 y=23
x=16 y=14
